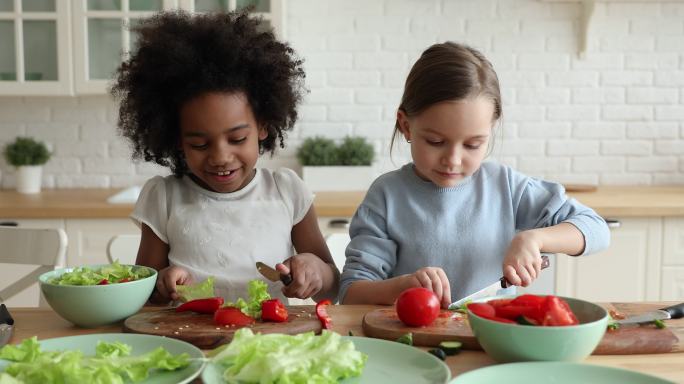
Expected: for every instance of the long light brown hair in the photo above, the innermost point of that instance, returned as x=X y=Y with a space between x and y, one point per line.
x=448 y=72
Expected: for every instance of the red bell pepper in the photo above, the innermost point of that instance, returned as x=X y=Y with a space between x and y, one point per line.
x=103 y=282
x=208 y=305
x=533 y=310
x=486 y=311
x=557 y=313
x=482 y=309
x=499 y=302
x=512 y=312
x=273 y=310
x=232 y=316
x=322 y=313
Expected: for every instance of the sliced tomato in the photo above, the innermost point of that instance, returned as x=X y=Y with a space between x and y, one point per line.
x=557 y=313
x=482 y=309
x=232 y=316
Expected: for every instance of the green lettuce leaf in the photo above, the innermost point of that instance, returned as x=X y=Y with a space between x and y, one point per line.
x=258 y=292
x=202 y=290
x=26 y=351
x=271 y=358
x=111 y=364
x=7 y=379
x=113 y=273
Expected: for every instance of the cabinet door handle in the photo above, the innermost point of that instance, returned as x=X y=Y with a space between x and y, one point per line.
x=9 y=224
x=338 y=223
x=613 y=223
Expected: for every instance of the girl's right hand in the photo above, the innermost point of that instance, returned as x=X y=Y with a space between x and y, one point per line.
x=167 y=279
x=434 y=279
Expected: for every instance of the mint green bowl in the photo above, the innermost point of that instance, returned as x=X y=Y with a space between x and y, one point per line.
x=95 y=305
x=513 y=342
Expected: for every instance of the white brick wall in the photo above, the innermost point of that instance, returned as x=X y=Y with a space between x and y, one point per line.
x=613 y=117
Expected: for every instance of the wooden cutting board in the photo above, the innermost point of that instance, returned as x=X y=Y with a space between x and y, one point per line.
x=199 y=329
x=384 y=324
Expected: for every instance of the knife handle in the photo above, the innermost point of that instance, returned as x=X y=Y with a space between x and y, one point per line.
x=545 y=264
x=286 y=279
x=676 y=311
x=5 y=317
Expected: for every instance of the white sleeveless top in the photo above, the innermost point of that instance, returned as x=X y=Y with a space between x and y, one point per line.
x=225 y=234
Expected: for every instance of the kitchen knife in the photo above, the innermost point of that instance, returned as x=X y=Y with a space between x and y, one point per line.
x=492 y=289
x=674 y=312
x=272 y=274
x=6 y=325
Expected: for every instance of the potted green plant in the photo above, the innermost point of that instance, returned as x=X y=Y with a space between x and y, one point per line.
x=328 y=166
x=28 y=156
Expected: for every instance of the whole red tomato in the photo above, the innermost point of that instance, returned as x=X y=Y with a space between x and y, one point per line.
x=417 y=307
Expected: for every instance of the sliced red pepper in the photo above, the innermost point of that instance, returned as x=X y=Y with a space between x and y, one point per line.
x=125 y=280
x=499 y=302
x=557 y=313
x=482 y=309
x=208 y=305
x=512 y=312
x=322 y=313
x=273 y=310
x=103 y=282
x=529 y=300
x=232 y=316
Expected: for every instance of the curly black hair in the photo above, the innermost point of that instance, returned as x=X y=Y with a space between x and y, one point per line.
x=181 y=56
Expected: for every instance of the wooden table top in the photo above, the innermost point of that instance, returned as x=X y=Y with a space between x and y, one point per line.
x=92 y=203
x=45 y=324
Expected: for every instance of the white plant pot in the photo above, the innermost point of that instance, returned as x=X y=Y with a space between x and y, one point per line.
x=29 y=178
x=338 y=178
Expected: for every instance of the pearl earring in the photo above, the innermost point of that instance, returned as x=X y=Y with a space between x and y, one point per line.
x=408 y=141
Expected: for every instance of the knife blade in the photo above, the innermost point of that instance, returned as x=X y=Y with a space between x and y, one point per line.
x=673 y=312
x=493 y=288
x=272 y=274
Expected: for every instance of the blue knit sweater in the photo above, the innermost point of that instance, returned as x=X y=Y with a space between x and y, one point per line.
x=406 y=223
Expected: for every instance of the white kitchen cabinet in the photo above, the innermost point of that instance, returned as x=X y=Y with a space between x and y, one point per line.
x=672 y=279
x=67 y=47
x=36 y=50
x=335 y=230
x=629 y=270
x=9 y=273
x=88 y=238
x=102 y=38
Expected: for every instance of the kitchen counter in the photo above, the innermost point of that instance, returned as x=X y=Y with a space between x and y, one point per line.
x=92 y=203
x=45 y=323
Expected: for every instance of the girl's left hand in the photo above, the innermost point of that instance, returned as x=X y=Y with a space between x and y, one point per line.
x=307 y=272
x=522 y=262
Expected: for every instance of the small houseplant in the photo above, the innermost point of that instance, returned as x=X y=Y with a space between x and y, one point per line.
x=327 y=166
x=28 y=156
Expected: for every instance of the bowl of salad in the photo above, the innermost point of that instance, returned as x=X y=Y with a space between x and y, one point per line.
x=95 y=295
x=537 y=328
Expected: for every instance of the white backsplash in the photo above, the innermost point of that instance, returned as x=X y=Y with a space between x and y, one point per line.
x=614 y=117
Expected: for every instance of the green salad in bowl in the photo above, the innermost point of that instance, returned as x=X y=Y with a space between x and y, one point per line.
x=95 y=295
x=108 y=274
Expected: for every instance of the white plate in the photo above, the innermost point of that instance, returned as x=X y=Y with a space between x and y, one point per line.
x=140 y=344
x=388 y=362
